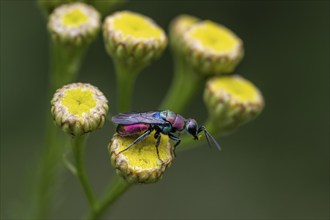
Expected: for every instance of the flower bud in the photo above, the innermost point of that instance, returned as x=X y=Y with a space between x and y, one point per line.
x=232 y=101
x=212 y=48
x=140 y=163
x=178 y=27
x=74 y=23
x=79 y=108
x=133 y=38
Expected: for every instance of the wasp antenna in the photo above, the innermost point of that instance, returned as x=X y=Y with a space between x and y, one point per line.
x=207 y=138
x=210 y=137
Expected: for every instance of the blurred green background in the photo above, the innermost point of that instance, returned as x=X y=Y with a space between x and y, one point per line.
x=276 y=167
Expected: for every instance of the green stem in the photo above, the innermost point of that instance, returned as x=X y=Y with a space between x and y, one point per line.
x=78 y=154
x=66 y=62
x=184 y=87
x=115 y=190
x=125 y=84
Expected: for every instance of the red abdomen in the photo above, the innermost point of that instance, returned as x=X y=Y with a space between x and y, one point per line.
x=127 y=130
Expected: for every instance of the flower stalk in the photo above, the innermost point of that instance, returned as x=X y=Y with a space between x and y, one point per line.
x=78 y=148
x=65 y=63
x=186 y=82
x=126 y=77
x=185 y=85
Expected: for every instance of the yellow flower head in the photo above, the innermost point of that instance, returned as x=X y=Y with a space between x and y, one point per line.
x=140 y=163
x=79 y=108
x=133 y=37
x=76 y=23
x=232 y=101
x=212 y=48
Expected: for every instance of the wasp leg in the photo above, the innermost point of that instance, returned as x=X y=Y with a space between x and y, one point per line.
x=174 y=138
x=137 y=140
x=158 y=136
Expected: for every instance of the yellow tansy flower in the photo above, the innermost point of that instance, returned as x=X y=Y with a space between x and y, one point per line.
x=133 y=38
x=140 y=163
x=212 y=48
x=76 y=23
x=232 y=101
x=79 y=108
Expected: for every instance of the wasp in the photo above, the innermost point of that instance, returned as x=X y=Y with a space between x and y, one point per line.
x=163 y=122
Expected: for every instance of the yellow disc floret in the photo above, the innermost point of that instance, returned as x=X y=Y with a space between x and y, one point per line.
x=240 y=89
x=214 y=37
x=74 y=18
x=137 y=26
x=140 y=163
x=211 y=48
x=144 y=156
x=79 y=101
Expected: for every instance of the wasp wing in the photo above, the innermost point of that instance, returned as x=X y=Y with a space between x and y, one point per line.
x=136 y=118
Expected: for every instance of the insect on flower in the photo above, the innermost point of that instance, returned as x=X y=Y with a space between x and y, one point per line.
x=165 y=122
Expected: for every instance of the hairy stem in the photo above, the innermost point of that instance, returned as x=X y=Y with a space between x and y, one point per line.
x=78 y=144
x=184 y=87
x=125 y=85
x=66 y=62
